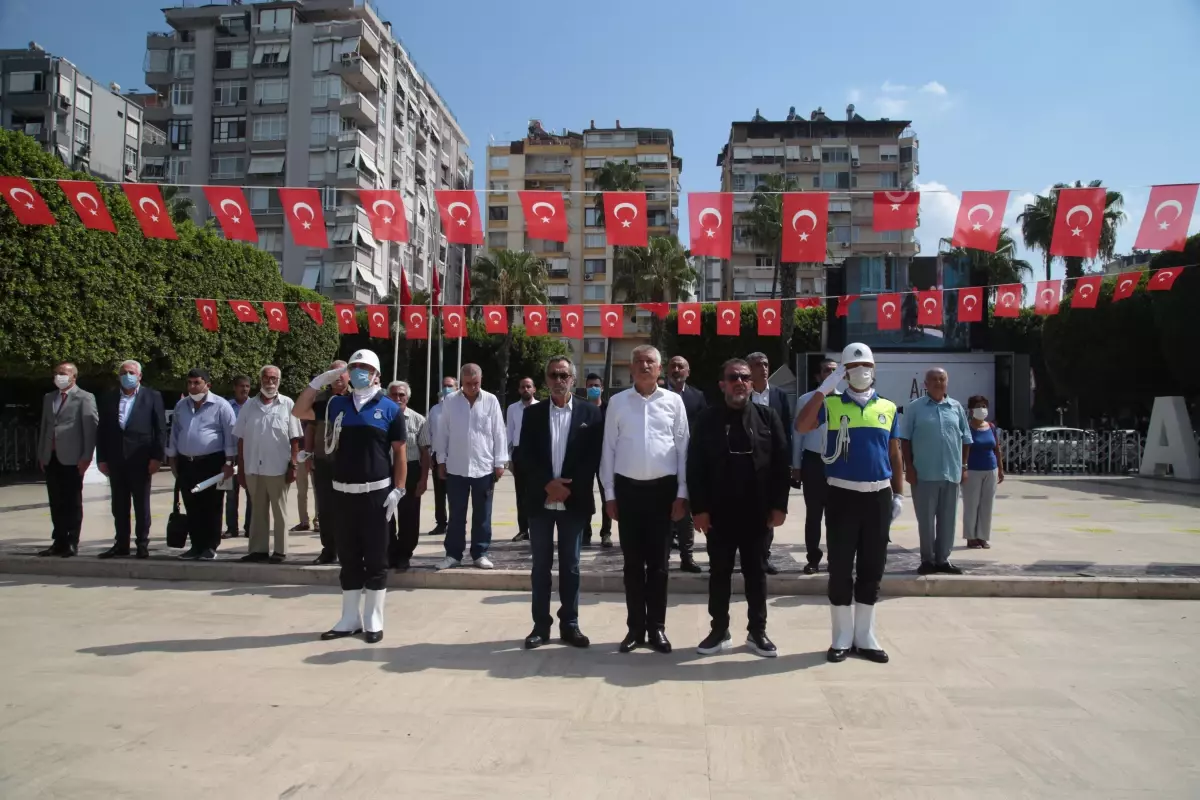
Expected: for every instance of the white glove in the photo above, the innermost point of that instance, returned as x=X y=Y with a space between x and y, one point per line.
x=897 y=505
x=303 y=456
x=393 y=499
x=326 y=378
x=831 y=383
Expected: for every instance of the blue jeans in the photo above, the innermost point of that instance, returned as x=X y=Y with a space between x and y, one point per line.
x=570 y=538
x=479 y=492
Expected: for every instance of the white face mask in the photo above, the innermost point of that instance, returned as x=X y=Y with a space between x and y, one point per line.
x=979 y=412
x=860 y=378
x=62 y=381
x=196 y=398
x=269 y=393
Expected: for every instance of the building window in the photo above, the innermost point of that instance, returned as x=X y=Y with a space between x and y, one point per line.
x=906 y=154
x=131 y=156
x=322 y=56
x=594 y=266
x=889 y=180
x=157 y=61
x=234 y=25
x=593 y=292
x=270 y=127
x=835 y=155
x=271 y=90
x=227 y=166
x=181 y=94
x=593 y=163
x=497 y=213
x=132 y=129
x=498 y=239
x=179 y=169
x=591 y=217
x=764 y=261
x=546 y=246
x=232 y=58
x=498 y=162
x=273 y=165
x=229 y=93
x=229 y=129
x=271 y=54
x=274 y=19
x=497 y=186
x=271 y=241
x=839 y=233
x=593 y=345
x=83 y=102
x=741 y=286
x=890 y=236
x=318 y=129
x=889 y=152
x=83 y=133
x=594 y=240
x=185 y=63
x=591 y=317
x=26 y=82
x=326 y=88
x=264 y=200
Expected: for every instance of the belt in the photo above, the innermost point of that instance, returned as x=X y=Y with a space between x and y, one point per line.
x=361 y=488
x=866 y=487
x=651 y=482
x=199 y=458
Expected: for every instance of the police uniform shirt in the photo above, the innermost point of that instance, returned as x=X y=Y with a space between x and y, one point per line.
x=872 y=428
x=364 y=449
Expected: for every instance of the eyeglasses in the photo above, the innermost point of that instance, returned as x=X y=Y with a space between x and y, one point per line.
x=729 y=447
x=739 y=377
x=558 y=376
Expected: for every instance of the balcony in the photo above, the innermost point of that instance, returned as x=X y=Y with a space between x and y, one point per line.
x=357 y=73
x=358 y=108
x=35 y=129
x=559 y=268
x=153 y=136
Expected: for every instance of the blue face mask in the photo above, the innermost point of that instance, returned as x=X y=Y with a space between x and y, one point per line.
x=594 y=392
x=360 y=378
x=447 y=391
x=129 y=381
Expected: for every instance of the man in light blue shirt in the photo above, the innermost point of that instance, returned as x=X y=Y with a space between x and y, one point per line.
x=935 y=440
x=807 y=449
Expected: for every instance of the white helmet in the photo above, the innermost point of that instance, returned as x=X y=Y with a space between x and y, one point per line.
x=858 y=353
x=366 y=357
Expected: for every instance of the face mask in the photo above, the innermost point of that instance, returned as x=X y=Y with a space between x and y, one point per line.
x=860 y=377
x=196 y=398
x=269 y=393
x=979 y=413
x=447 y=391
x=360 y=378
x=62 y=381
x=594 y=392
x=129 y=381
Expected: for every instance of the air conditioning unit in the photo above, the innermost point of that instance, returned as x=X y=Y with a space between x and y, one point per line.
x=845 y=244
x=348 y=57
x=587 y=277
x=64 y=102
x=807 y=158
x=854 y=162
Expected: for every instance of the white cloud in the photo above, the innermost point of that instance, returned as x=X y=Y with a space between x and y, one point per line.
x=939 y=209
x=890 y=87
x=933 y=87
x=891 y=107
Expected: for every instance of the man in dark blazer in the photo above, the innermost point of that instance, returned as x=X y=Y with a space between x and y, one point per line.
x=559 y=454
x=693 y=403
x=764 y=394
x=738 y=476
x=129 y=450
x=66 y=444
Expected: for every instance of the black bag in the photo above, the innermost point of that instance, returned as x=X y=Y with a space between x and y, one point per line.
x=177 y=524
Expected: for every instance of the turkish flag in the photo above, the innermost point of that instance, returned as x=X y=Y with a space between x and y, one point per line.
x=1049 y=295
x=980 y=218
x=25 y=202
x=545 y=215
x=314 y=311
x=454 y=321
x=385 y=210
x=887 y=312
x=729 y=318
x=244 y=311
x=1077 y=223
x=808 y=302
x=1165 y=224
x=347 y=321
x=85 y=199
x=151 y=211
x=929 y=308
x=711 y=225
x=895 y=211
x=277 y=319
x=688 y=320
x=612 y=321
x=466 y=287
x=1087 y=292
x=1163 y=279
x=805 y=227
x=1127 y=282
x=207 y=309
x=416 y=322
x=843 y=304
x=405 y=292
x=377 y=322
x=535 y=320
x=459 y=211
x=660 y=310
x=1008 y=300
x=768 y=317
x=302 y=210
x=229 y=205
x=572 y=321
x=625 y=219
x=437 y=289
x=495 y=319
x=970 y=304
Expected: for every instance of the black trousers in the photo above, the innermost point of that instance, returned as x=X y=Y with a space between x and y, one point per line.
x=644 y=514
x=685 y=534
x=405 y=527
x=130 y=482
x=64 y=490
x=322 y=481
x=812 y=477
x=519 y=486
x=725 y=539
x=605 y=522
x=203 y=508
x=439 y=494
x=361 y=527
x=858 y=537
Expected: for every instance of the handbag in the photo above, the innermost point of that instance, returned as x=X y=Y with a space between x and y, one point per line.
x=177 y=524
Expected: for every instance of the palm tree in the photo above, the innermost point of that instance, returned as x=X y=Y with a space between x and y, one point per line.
x=508 y=278
x=1037 y=226
x=181 y=205
x=659 y=273
x=614 y=177
x=765 y=223
x=995 y=268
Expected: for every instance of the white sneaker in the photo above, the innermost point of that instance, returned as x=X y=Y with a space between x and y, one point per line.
x=447 y=563
x=483 y=562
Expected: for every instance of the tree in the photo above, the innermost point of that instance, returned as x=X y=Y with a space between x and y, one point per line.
x=765 y=223
x=655 y=274
x=180 y=205
x=1037 y=226
x=1175 y=312
x=614 y=177
x=994 y=269
x=508 y=278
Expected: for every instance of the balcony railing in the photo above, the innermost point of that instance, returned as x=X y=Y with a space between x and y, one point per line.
x=152 y=135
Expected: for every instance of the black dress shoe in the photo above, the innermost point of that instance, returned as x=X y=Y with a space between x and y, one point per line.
x=207 y=555
x=632 y=641
x=326 y=558
x=327 y=635
x=189 y=555
x=949 y=568
x=522 y=536
x=812 y=569
x=373 y=637
x=68 y=551
x=770 y=568
x=254 y=558
x=440 y=530
x=926 y=568
x=688 y=564
x=659 y=641
x=536 y=639
x=836 y=655
x=114 y=552
x=277 y=558
x=570 y=634
x=878 y=656
x=143 y=551
x=52 y=550
x=402 y=566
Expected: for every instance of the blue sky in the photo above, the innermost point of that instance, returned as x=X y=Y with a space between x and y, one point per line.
x=1012 y=95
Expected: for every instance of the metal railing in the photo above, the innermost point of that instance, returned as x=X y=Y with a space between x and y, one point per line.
x=1051 y=451
x=18 y=447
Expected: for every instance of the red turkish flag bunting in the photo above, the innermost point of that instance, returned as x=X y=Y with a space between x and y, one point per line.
x=314 y=311
x=437 y=289
x=895 y=211
x=277 y=319
x=729 y=318
x=688 y=320
x=385 y=210
x=495 y=319
x=466 y=286
x=843 y=304
x=377 y=322
x=887 y=312
x=1008 y=300
x=572 y=321
x=535 y=320
x=929 y=308
x=625 y=219
x=244 y=311
x=1127 y=282
x=660 y=310
x=612 y=321
x=1163 y=279
x=1049 y=295
x=459 y=211
x=405 y=292
x=207 y=309
x=808 y=302
x=1087 y=292
x=86 y=199
x=768 y=317
x=970 y=304
x=347 y=321
x=1077 y=223
x=545 y=215
x=302 y=210
x=711 y=223
x=1165 y=224
x=148 y=206
x=416 y=322
x=980 y=218
x=805 y=227
x=455 y=321
x=25 y=202
x=229 y=205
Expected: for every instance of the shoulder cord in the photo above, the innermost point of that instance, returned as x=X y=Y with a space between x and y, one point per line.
x=842 y=445
x=332 y=434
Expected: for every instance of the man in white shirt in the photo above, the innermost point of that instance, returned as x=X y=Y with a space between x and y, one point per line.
x=472 y=448
x=643 y=468
x=268 y=443
x=449 y=387
x=807 y=449
x=516 y=413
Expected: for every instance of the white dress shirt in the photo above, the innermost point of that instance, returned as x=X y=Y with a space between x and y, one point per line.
x=516 y=412
x=471 y=439
x=267 y=431
x=762 y=398
x=125 y=405
x=432 y=419
x=645 y=438
x=560 y=431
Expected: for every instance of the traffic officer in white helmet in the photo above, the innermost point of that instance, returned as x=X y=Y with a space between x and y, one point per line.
x=866 y=492
x=365 y=433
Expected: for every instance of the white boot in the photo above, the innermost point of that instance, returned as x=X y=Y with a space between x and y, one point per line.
x=843 y=627
x=373 y=614
x=351 y=621
x=864 y=634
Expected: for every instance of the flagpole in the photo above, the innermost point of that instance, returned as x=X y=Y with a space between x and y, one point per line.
x=429 y=363
x=462 y=300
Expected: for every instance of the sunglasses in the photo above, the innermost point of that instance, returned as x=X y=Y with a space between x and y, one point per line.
x=740 y=377
x=559 y=376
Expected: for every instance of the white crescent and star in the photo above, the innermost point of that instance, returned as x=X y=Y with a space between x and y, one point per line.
x=208 y=311
x=19 y=191
x=706 y=212
x=347 y=314
x=458 y=204
x=82 y=196
x=391 y=209
x=689 y=316
x=276 y=313
x=1165 y=276
x=969 y=301
x=311 y=214
x=1007 y=298
x=611 y=318
x=235 y=204
x=494 y=316
x=625 y=223
x=1086 y=289
x=1047 y=295
x=454 y=319
x=886 y=306
x=979 y=207
x=728 y=314
x=534 y=209
x=804 y=213
x=535 y=316
x=1175 y=204
x=572 y=319
x=897 y=199
x=379 y=315
x=769 y=314
x=1075 y=210
x=157 y=209
x=415 y=319
x=925 y=303
x=1124 y=283
x=242 y=309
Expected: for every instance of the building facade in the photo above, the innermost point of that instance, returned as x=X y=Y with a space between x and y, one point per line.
x=89 y=125
x=581 y=269
x=317 y=94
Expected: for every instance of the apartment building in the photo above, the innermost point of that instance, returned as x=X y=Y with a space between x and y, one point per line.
x=581 y=269
x=317 y=93
x=89 y=125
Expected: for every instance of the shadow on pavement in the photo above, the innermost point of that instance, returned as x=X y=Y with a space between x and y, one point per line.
x=200 y=645
x=1141 y=491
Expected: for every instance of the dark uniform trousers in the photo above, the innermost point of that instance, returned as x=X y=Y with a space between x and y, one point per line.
x=362 y=538
x=858 y=526
x=203 y=508
x=322 y=481
x=812 y=477
x=519 y=487
x=439 y=493
x=644 y=517
x=64 y=490
x=726 y=538
x=405 y=527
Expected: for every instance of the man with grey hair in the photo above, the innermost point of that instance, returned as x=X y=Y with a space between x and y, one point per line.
x=268 y=446
x=66 y=444
x=405 y=527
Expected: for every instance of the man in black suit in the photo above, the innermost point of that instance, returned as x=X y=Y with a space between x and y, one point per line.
x=693 y=402
x=764 y=394
x=129 y=450
x=559 y=455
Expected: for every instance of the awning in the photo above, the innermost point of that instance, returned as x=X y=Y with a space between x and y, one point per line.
x=311 y=276
x=366 y=162
x=365 y=237
x=337 y=272
x=266 y=165
x=365 y=274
